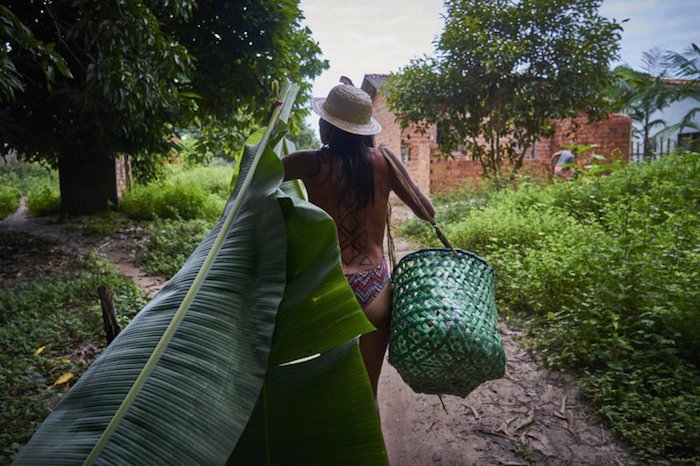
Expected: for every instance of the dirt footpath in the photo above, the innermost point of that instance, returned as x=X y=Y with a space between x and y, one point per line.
x=528 y=417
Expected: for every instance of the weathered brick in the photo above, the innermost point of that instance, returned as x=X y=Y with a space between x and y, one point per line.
x=433 y=172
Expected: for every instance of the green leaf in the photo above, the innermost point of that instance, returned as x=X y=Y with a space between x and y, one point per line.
x=319 y=310
x=199 y=394
x=315 y=412
x=278 y=270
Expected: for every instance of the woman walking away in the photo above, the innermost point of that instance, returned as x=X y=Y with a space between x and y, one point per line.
x=351 y=181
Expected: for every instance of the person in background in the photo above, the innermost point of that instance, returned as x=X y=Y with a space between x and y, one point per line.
x=351 y=181
x=563 y=162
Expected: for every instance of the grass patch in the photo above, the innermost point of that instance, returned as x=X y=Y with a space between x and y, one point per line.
x=449 y=206
x=37 y=182
x=170 y=243
x=43 y=199
x=24 y=176
x=9 y=200
x=605 y=272
x=198 y=193
x=49 y=327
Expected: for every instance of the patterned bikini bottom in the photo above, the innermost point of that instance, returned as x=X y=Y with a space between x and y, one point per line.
x=368 y=284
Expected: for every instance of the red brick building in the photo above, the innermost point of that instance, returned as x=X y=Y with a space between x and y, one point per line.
x=433 y=172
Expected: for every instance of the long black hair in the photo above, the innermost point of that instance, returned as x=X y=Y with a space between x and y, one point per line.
x=352 y=163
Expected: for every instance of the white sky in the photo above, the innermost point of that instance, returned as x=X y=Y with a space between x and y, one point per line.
x=380 y=36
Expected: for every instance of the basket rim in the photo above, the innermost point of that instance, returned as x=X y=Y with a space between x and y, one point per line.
x=423 y=251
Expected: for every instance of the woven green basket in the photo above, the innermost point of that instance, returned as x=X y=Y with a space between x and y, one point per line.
x=444 y=327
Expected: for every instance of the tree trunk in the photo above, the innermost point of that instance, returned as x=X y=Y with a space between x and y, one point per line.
x=88 y=184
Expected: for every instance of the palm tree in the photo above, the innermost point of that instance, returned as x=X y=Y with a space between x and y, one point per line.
x=641 y=93
x=686 y=66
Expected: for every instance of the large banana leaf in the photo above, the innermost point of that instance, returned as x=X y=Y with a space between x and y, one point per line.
x=277 y=271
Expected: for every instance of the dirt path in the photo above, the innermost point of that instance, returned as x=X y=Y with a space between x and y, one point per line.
x=528 y=417
x=40 y=243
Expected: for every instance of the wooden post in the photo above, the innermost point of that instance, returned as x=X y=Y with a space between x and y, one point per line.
x=109 y=315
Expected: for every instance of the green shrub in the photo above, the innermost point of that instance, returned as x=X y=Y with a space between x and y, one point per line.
x=48 y=327
x=200 y=192
x=37 y=182
x=171 y=201
x=25 y=176
x=211 y=179
x=605 y=272
x=9 y=200
x=43 y=199
x=170 y=244
x=450 y=206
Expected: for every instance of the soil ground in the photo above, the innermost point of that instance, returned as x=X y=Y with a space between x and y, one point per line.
x=530 y=416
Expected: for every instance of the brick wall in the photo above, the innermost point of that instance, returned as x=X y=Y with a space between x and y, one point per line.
x=433 y=173
x=419 y=146
x=390 y=136
x=612 y=136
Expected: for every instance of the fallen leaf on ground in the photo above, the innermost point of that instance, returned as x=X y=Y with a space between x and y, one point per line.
x=546 y=449
x=561 y=414
x=65 y=377
x=504 y=426
x=39 y=350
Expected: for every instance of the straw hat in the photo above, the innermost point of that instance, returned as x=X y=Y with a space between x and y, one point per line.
x=347 y=108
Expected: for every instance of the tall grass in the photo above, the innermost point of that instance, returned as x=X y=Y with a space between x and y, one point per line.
x=605 y=271
x=37 y=182
x=198 y=193
x=9 y=200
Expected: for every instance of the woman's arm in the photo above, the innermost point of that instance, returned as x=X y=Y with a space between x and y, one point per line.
x=405 y=195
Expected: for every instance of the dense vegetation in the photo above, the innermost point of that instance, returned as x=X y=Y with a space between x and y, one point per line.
x=605 y=272
x=38 y=183
x=181 y=208
x=50 y=330
x=84 y=81
x=183 y=194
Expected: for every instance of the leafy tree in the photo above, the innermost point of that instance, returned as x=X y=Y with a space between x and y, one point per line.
x=502 y=70
x=13 y=35
x=642 y=93
x=305 y=138
x=140 y=70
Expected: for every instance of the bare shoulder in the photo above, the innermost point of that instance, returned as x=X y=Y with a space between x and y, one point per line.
x=300 y=164
x=378 y=155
